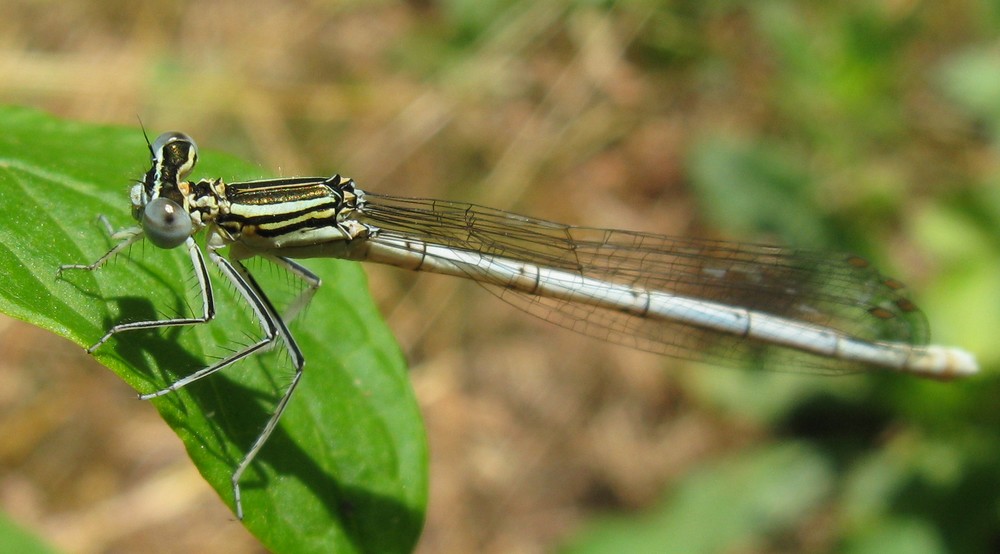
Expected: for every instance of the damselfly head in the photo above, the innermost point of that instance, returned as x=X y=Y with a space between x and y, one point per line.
x=175 y=153
x=157 y=201
x=173 y=156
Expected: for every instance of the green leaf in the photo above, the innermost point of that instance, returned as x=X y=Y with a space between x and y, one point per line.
x=754 y=189
x=727 y=507
x=971 y=79
x=897 y=536
x=345 y=471
x=15 y=539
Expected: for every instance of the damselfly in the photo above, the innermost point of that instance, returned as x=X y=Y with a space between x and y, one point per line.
x=724 y=302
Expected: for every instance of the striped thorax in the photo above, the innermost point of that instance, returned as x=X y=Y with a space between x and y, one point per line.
x=255 y=217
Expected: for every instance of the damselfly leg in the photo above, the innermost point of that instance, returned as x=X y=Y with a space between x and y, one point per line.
x=272 y=326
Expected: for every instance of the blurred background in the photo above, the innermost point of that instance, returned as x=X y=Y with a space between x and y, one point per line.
x=861 y=126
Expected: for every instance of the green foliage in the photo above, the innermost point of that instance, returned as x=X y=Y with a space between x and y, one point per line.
x=15 y=539
x=833 y=151
x=740 y=500
x=346 y=469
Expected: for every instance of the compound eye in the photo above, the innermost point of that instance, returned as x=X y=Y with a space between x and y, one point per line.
x=175 y=153
x=165 y=223
x=168 y=137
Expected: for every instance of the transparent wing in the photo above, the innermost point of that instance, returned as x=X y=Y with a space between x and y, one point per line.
x=840 y=292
